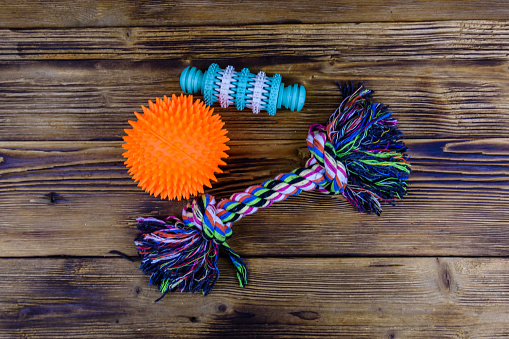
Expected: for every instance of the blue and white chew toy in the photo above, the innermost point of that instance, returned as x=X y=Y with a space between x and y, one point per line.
x=244 y=89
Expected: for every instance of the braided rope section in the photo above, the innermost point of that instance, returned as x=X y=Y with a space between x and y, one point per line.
x=358 y=153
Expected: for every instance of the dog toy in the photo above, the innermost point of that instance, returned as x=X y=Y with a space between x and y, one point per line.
x=244 y=89
x=175 y=147
x=357 y=153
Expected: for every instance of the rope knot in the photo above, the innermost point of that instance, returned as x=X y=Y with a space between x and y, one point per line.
x=202 y=213
x=323 y=153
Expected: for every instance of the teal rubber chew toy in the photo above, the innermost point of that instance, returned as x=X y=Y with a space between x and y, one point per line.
x=244 y=89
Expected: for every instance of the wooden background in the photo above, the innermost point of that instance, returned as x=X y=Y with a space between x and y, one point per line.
x=436 y=265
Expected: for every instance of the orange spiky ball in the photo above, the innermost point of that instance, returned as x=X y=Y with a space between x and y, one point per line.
x=175 y=147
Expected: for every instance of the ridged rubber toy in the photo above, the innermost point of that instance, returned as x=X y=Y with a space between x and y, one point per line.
x=244 y=89
x=175 y=147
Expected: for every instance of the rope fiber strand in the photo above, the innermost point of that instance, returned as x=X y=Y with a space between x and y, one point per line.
x=357 y=153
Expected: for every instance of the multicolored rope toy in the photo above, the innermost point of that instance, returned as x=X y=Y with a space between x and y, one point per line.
x=244 y=89
x=357 y=153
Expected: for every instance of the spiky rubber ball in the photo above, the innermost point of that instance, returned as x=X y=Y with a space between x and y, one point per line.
x=175 y=147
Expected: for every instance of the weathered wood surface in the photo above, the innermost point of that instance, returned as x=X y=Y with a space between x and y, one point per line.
x=443 y=79
x=76 y=198
x=107 y=13
x=71 y=75
x=349 y=42
x=286 y=298
x=93 y=100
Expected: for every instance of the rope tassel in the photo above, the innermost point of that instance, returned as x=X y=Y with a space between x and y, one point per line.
x=358 y=153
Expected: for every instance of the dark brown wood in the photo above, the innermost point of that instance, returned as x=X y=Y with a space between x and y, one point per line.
x=75 y=198
x=101 y=13
x=435 y=265
x=345 y=43
x=287 y=298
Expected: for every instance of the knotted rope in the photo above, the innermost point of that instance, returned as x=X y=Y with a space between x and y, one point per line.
x=357 y=153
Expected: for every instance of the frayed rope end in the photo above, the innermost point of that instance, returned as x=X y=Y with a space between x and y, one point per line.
x=180 y=255
x=368 y=142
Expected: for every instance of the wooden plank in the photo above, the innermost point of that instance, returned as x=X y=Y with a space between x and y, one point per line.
x=285 y=298
x=106 y=13
x=75 y=198
x=91 y=100
x=346 y=43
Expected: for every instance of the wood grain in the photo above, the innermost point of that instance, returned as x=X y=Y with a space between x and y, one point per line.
x=346 y=43
x=75 y=198
x=435 y=265
x=106 y=13
x=285 y=298
x=93 y=100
